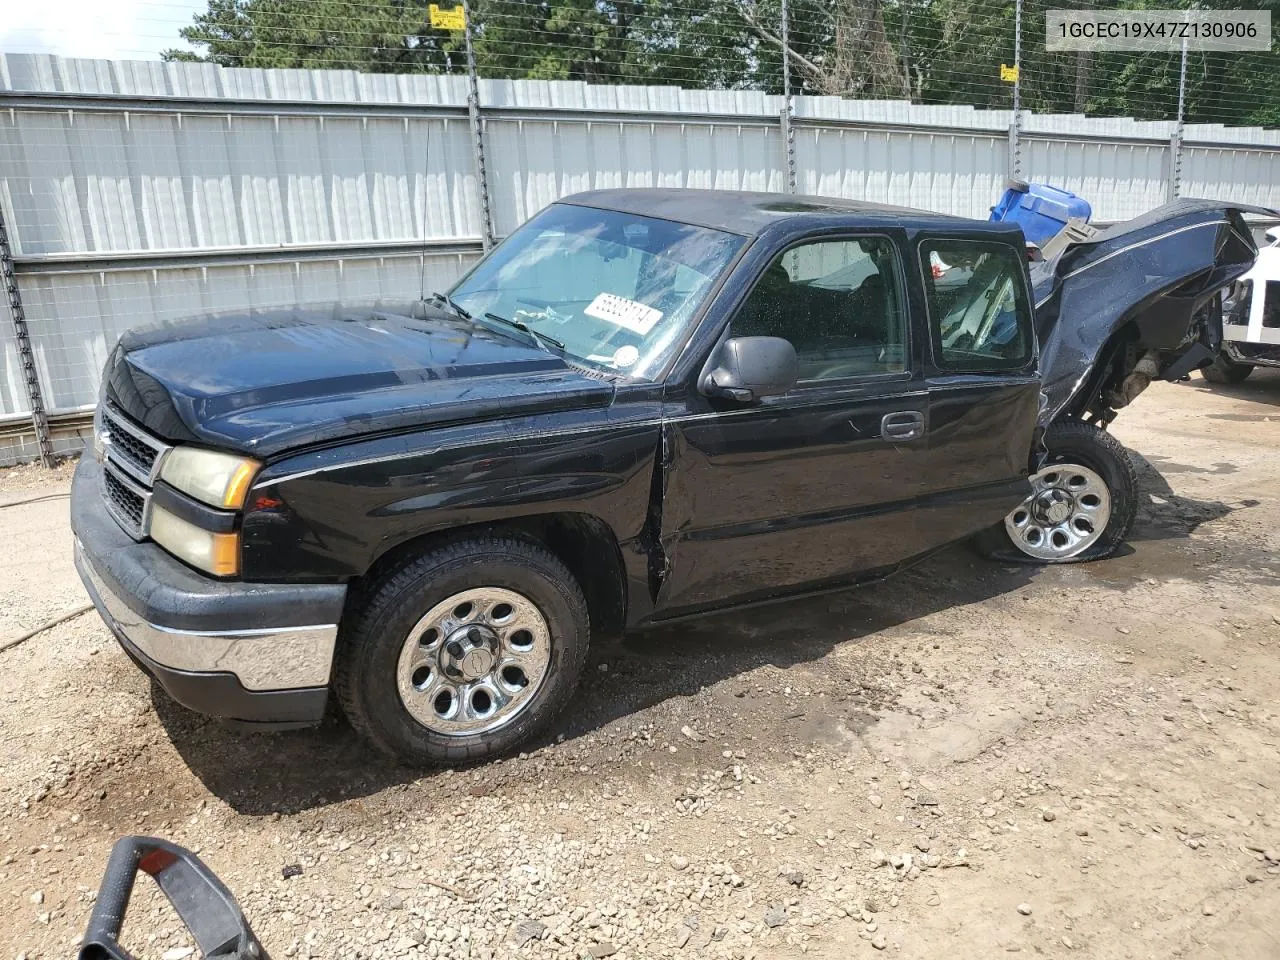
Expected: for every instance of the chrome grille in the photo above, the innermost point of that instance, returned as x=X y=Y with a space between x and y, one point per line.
x=129 y=503
x=134 y=450
x=132 y=459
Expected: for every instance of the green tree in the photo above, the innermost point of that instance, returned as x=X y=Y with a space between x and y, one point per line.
x=928 y=51
x=378 y=36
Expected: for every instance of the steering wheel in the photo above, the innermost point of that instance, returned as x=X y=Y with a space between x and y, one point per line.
x=837 y=371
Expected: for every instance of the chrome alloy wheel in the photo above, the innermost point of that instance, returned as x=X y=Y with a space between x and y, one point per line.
x=474 y=662
x=1067 y=511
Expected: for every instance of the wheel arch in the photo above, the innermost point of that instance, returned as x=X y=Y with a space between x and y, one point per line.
x=583 y=542
x=1104 y=455
x=1114 y=361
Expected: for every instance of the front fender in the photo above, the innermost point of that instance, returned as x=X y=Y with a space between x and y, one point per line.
x=330 y=515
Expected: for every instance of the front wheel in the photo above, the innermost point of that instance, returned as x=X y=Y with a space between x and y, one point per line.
x=465 y=652
x=1225 y=370
x=1082 y=504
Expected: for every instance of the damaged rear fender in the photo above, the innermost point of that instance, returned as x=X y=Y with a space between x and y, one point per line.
x=1138 y=301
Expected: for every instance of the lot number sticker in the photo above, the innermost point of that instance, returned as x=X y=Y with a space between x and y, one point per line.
x=628 y=314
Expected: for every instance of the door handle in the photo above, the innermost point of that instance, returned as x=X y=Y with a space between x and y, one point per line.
x=901 y=426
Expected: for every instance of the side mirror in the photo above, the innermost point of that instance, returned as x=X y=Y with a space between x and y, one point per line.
x=205 y=906
x=748 y=368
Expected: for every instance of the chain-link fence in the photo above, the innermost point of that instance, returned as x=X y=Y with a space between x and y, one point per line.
x=306 y=151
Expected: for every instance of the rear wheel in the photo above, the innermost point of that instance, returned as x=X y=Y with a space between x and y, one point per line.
x=1082 y=504
x=1225 y=370
x=463 y=653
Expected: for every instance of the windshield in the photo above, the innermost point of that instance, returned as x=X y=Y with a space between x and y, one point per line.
x=618 y=290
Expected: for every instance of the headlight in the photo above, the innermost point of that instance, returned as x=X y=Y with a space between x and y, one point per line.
x=218 y=479
x=216 y=553
x=99 y=435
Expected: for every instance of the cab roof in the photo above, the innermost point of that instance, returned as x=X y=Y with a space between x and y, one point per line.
x=748 y=214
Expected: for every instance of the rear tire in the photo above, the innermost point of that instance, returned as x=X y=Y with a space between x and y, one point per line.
x=1225 y=370
x=464 y=652
x=1083 y=505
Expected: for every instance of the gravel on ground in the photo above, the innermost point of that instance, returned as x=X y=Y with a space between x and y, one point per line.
x=968 y=760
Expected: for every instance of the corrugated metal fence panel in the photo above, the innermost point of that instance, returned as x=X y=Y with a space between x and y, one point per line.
x=339 y=160
x=82 y=181
x=1217 y=133
x=535 y=162
x=1102 y=128
x=956 y=173
x=1238 y=173
x=1120 y=180
x=560 y=96
x=901 y=113
x=13 y=399
x=75 y=318
x=932 y=157
x=137 y=78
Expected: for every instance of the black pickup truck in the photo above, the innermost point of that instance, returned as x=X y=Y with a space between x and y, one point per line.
x=643 y=405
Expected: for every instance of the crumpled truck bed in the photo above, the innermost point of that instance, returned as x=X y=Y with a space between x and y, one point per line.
x=1144 y=288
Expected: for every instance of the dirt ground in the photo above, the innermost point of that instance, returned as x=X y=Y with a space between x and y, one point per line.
x=967 y=761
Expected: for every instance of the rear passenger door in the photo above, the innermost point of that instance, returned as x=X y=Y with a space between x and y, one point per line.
x=984 y=390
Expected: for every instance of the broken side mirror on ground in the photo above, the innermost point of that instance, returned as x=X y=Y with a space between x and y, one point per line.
x=205 y=906
x=750 y=368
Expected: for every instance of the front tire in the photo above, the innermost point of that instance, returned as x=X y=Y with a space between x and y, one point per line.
x=1225 y=370
x=1082 y=506
x=463 y=653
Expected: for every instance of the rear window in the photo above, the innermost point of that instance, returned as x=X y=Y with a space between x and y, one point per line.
x=979 y=315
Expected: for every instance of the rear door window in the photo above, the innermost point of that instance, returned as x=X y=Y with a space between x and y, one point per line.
x=979 y=314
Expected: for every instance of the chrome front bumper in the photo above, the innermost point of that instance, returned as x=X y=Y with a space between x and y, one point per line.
x=244 y=652
x=266 y=658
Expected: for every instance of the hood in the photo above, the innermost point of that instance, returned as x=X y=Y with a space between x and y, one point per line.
x=265 y=383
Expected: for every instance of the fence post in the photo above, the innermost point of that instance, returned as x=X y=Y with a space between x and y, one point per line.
x=477 y=135
x=1015 y=126
x=1175 y=141
x=38 y=418
x=788 y=132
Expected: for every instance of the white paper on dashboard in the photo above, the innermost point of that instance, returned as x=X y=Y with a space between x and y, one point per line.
x=628 y=314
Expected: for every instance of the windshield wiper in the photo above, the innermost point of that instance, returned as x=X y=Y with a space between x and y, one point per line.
x=538 y=335
x=449 y=302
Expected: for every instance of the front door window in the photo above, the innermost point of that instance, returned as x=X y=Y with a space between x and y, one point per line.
x=839 y=304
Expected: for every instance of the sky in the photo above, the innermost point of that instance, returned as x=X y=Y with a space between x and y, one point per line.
x=102 y=29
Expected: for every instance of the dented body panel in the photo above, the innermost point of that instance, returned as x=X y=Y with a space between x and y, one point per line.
x=1145 y=288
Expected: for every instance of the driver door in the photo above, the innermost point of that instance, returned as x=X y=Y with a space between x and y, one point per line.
x=817 y=485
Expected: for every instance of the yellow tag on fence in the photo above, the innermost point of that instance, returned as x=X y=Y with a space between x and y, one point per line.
x=455 y=19
x=1007 y=74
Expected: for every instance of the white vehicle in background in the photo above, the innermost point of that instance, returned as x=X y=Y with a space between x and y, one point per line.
x=1251 y=319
